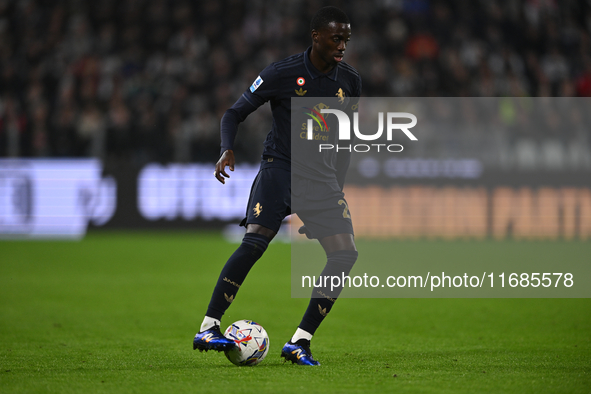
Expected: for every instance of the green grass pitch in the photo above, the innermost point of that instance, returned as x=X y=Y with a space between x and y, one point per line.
x=117 y=312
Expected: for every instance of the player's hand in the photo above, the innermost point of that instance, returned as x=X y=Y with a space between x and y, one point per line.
x=227 y=159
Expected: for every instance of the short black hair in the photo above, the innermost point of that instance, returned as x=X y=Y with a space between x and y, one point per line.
x=326 y=15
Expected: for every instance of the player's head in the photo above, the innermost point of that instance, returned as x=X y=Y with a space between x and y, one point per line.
x=326 y=15
x=331 y=30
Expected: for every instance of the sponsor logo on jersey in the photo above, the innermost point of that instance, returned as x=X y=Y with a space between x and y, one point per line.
x=255 y=85
x=301 y=92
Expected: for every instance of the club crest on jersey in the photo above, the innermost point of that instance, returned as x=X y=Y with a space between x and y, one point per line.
x=301 y=81
x=257 y=82
x=341 y=95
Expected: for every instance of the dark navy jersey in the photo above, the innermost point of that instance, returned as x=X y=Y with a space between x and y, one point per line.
x=294 y=76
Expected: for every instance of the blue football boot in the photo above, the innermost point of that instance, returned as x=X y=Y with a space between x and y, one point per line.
x=212 y=339
x=298 y=353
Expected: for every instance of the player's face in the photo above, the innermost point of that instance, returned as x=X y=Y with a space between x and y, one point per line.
x=329 y=44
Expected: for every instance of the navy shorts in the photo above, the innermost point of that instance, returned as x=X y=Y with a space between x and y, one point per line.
x=270 y=195
x=320 y=205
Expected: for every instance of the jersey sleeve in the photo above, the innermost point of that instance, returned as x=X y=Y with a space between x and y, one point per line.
x=263 y=89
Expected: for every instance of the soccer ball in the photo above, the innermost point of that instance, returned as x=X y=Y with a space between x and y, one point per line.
x=252 y=343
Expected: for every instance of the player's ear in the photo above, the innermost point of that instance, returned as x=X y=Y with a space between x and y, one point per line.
x=315 y=36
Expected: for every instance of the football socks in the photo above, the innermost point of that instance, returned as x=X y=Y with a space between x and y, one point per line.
x=339 y=263
x=209 y=322
x=301 y=334
x=234 y=272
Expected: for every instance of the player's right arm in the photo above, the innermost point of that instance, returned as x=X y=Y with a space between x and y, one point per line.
x=262 y=90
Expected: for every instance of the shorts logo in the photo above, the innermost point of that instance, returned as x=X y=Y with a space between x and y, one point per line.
x=257 y=209
x=341 y=95
x=257 y=82
x=301 y=81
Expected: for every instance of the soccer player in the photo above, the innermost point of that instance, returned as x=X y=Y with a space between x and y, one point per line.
x=318 y=72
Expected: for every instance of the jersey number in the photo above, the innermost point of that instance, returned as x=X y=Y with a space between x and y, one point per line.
x=346 y=213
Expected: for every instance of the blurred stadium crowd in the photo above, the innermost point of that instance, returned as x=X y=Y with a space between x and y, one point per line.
x=148 y=80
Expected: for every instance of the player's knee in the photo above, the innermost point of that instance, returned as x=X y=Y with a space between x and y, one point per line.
x=256 y=243
x=253 y=228
x=336 y=271
x=344 y=259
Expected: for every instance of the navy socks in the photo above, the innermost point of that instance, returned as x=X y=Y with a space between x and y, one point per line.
x=234 y=272
x=339 y=263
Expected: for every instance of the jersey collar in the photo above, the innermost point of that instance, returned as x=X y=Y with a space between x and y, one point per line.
x=313 y=71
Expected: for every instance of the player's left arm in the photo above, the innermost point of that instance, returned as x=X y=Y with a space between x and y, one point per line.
x=344 y=156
